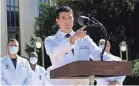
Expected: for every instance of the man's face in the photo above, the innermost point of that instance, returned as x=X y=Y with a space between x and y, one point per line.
x=65 y=21
x=12 y=43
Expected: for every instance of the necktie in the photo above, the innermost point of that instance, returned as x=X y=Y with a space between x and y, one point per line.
x=67 y=36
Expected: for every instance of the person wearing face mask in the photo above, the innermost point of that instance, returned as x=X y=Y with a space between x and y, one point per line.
x=114 y=81
x=15 y=70
x=38 y=71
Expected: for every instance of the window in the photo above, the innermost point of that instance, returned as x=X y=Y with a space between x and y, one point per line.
x=13 y=19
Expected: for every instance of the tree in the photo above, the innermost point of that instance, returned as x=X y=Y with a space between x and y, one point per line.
x=136 y=67
x=45 y=24
x=115 y=15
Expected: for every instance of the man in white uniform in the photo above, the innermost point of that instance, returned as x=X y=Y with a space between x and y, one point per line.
x=67 y=46
x=38 y=71
x=115 y=81
x=15 y=70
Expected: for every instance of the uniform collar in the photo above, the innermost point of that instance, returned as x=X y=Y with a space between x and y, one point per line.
x=10 y=61
x=10 y=57
x=108 y=53
x=36 y=68
x=62 y=34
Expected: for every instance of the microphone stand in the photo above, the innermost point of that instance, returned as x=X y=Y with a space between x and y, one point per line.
x=104 y=32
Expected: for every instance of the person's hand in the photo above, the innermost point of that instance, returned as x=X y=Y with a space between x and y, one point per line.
x=113 y=83
x=80 y=33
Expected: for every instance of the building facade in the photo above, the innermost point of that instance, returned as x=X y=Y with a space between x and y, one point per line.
x=17 y=21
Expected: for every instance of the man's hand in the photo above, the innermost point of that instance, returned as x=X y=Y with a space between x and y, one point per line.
x=80 y=33
x=113 y=83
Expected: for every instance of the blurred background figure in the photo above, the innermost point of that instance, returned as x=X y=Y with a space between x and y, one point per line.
x=114 y=81
x=38 y=71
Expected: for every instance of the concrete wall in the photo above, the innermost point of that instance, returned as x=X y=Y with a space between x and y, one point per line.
x=28 y=11
x=3 y=27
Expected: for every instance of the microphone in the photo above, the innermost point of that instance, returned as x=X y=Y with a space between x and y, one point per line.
x=83 y=20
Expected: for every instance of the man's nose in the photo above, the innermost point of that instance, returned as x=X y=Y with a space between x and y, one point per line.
x=67 y=21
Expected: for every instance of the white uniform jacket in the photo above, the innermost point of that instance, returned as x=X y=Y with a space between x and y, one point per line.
x=22 y=75
x=38 y=76
x=59 y=49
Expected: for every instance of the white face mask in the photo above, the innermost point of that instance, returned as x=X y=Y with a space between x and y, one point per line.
x=101 y=46
x=33 y=60
x=13 y=50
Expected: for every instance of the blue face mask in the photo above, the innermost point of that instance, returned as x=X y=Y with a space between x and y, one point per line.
x=101 y=46
x=13 y=50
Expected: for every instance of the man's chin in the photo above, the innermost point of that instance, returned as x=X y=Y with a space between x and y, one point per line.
x=68 y=28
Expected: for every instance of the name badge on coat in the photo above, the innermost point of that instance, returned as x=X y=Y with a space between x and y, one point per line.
x=84 y=47
x=83 y=53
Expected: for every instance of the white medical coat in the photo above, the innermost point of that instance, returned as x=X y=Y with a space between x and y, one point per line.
x=10 y=76
x=38 y=75
x=59 y=49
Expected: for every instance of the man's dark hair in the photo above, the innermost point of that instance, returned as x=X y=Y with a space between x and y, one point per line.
x=12 y=40
x=62 y=9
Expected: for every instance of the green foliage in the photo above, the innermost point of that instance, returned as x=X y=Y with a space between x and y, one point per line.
x=107 y=11
x=63 y=2
x=45 y=23
x=101 y=9
x=30 y=47
x=111 y=13
x=136 y=67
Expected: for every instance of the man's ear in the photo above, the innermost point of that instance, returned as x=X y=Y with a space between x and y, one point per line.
x=7 y=46
x=57 y=21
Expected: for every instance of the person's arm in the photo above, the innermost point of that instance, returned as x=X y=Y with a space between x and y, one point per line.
x=48 y=81
x=120 y=79
x=44 y=73
x=101 y=82
x=28 y=80
x=95 y=51
x=2 y=79
x=113 y=83
x=54 y=50
x=66 y=45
